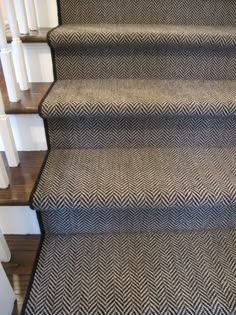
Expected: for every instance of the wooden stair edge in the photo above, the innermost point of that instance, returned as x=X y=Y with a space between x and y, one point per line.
x=39 y=36
x=30 y=99
x=22 y=178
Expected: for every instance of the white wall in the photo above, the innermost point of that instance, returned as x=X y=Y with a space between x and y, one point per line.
x=46 y=11
x=18 y=220
x=28 y=131
x=38 y=62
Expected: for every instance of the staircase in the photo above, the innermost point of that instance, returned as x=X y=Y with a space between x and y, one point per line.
x=137 y=195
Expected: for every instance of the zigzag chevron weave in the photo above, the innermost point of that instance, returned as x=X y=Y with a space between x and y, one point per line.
x=137 y=195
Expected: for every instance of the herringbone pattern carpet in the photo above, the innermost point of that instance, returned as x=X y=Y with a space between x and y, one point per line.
x=135 y=98
x=198 y=12
x=137 y=196
x=190 y=273
x=155 y=172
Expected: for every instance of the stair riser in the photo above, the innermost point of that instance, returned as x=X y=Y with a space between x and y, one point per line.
x=92 y=133
x=137 y=63
x=72 y=221
x=200 y=12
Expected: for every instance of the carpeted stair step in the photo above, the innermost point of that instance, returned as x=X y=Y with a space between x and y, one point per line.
x=201 y=12
x=178 y=273
x=143 y=34
x=109 y=113
x=131 y=98
x=137 y=196
x=144 y=51
x=125 y=189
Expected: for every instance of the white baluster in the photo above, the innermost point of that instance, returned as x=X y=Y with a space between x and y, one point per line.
x=31 y=15
x=4 y=180
x=7 y=296
x=7 y=137
x=21 y=16
x=7 y=65
x=17 y=46
x=5 y=254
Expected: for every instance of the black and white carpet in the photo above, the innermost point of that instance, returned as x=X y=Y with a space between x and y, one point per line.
x=137 y=195
x=191 y=272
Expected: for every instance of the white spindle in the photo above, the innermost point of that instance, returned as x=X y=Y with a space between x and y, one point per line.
x=5 y=254
x=17 y=46
x=21 y=16
x=31 y=15
x=7 y=296
x=7 y=65
x=4 y=180
x=7 y=137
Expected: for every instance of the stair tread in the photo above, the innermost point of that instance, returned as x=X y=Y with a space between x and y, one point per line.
x=184 y=272
x=119 y=97
x=22 y=178
x=136 y=178
x=190 y=35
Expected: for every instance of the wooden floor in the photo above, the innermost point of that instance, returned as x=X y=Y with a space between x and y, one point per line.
x=18 y=270
x=39 y=36
x=22 y=179
x=29 y=99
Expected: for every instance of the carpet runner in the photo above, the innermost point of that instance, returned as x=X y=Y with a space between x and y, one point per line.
x=137 y=195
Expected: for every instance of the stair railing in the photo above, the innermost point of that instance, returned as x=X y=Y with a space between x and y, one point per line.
x=14 y=72
x=7 y=65
x=14 y=96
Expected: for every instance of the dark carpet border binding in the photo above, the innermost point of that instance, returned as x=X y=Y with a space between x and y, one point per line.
x=45 y=121
x=39 y=217
x=52 y=52
x=48 y=151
